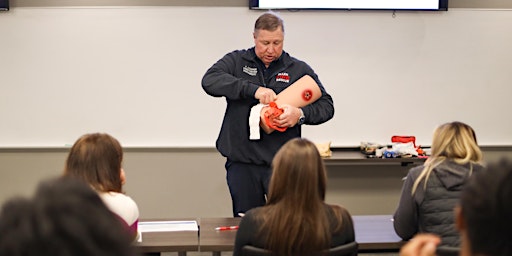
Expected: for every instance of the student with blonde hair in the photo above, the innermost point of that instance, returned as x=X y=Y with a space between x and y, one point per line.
x=296 y=220
x=482 y=217
x=96 y=159
x=430 y=192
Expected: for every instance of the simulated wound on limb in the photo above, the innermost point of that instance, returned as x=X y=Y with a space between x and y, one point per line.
x=299 y=94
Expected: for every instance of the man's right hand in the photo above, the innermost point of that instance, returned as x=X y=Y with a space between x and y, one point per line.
x=265 y=95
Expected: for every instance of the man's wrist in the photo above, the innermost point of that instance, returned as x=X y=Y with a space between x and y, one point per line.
x=302 y=117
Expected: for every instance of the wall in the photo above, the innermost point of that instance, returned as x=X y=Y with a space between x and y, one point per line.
x=179 y=181
x=135 y=71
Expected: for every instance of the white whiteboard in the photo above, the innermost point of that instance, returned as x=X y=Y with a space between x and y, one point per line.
x=135 y=72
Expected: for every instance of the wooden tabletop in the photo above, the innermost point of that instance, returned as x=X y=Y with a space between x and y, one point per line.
x=373 y=233
x=376 y=233
x=212 y=240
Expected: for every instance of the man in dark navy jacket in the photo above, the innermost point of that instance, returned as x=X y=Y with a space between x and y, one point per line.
x=250 y=77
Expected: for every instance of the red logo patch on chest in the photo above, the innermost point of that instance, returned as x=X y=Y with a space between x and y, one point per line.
x=283 y=77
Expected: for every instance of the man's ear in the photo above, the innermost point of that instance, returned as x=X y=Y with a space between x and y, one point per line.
x=460 y=223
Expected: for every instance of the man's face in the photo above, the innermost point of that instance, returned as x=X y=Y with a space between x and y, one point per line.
x=268 y=44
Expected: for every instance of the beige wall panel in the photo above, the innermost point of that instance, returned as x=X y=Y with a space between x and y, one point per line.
x=185 y=183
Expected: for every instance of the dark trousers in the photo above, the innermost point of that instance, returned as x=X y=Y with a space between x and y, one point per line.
x=248 y=185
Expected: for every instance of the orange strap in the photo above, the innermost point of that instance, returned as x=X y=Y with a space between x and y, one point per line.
x=272 y=113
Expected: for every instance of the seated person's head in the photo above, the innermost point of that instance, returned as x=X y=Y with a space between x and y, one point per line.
x=298 y=167
x=97 y=159
x=457 y=141
x=64 y=218
x=296 y=199
x=484 y=217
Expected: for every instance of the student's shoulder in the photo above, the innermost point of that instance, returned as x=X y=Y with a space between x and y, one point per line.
x=122 y=205
x=338 y=210
x=118 y=199
x=478 y=167
x=254 y=212
x=252 y=216
x=335 y=207
x=414 y=172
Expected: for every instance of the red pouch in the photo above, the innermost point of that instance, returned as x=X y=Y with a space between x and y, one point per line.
x=404 y=139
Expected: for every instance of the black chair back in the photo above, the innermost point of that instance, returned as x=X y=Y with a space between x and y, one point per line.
x=447 y=251
x=249 y=250
x=349 y=249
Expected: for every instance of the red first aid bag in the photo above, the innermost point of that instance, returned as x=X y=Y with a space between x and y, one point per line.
x=404 y=139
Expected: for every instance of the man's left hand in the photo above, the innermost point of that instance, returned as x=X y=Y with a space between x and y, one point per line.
x=289 y=117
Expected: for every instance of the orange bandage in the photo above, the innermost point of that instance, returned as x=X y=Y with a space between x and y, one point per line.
x=299 y=94
x=271 y=113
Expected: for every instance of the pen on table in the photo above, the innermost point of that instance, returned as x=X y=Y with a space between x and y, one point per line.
x=226 y=228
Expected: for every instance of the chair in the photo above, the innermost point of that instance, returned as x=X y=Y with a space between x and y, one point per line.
x=349 y=249
x=447 y=251
x=249 y=250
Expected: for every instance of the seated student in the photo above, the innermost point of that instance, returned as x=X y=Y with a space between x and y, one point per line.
x=96 y=159
x=295 y=219
x=431 y=191
x=65 y=217
x=482 y=218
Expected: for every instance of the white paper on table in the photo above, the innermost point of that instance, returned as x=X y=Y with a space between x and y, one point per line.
x=167 y=226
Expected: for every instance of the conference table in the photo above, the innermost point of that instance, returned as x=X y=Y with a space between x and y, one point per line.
x=180 y=240
x=374 y=233
x=214 y=241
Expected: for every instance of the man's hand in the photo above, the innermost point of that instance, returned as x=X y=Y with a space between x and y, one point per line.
x=265 y=95
x=289 y=117
x=421 y=245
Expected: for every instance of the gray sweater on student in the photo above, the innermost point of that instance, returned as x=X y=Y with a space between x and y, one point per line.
x=431 y=209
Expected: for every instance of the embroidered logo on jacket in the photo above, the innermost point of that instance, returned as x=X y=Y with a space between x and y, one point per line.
x=250 y=71
x=283 y=77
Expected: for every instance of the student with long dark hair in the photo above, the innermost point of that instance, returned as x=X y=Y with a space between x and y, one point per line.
x=296 y=220
x=96 y=159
